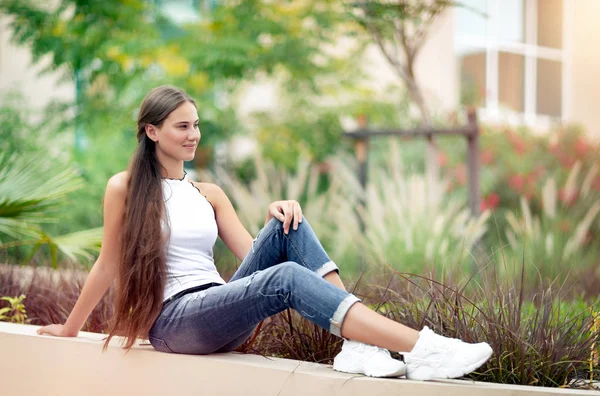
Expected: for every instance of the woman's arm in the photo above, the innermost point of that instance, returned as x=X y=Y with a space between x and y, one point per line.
x=105 y=268
x=231 y=230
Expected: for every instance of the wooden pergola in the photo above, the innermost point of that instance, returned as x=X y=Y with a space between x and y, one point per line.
x=470 y=132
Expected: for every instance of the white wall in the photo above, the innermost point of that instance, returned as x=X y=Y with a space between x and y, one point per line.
x=435 y=67
x=18 y=73
x=584 y=95
x=435 y=70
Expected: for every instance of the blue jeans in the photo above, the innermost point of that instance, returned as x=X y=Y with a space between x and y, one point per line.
x=280 y=271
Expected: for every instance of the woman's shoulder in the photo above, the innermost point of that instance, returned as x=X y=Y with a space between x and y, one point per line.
x=210 y=190
x=117 y=184
x=207 y=187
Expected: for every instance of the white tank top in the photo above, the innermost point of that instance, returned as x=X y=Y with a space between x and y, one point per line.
x=193 y=232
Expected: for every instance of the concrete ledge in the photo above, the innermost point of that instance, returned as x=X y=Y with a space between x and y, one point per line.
x=42 y=365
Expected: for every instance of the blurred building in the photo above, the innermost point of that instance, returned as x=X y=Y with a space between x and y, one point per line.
x=528 y=62
x=518 y=61
x=18 y=74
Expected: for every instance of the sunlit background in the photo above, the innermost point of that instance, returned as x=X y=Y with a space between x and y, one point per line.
x=279 y=85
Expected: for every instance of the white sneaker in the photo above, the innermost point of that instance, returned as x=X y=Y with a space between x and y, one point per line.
x=359 y=358
x=435 y=356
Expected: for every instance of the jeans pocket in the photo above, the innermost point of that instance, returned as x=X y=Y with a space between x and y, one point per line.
x=159 y=344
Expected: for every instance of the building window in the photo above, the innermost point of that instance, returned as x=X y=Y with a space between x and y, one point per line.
x=511 y=58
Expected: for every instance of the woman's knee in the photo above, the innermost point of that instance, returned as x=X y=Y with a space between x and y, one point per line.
x=303 y=226
x=287 y=272
x=304 y=230
x=288 y=268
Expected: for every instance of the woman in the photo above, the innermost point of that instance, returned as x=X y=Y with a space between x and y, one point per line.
x=159 y=232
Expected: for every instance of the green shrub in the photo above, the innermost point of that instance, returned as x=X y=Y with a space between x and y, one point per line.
x=15 y=312
x=407 y=224
x=561 y=239
x=539 y=338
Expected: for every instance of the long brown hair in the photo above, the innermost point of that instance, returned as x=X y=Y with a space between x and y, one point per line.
x=141 y=276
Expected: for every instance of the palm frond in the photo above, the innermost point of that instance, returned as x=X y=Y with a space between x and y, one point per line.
x=80 y=244
x=16 y=230
x=30 y=188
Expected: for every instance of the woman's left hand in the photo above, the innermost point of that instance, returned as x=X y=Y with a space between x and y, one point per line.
x=286 y=212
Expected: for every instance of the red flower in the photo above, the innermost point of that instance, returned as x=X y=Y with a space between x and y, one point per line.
x=517 y=142
x=442 y=159
x=519 y=146
x=566 y=161
x=490 y=202
x=529 y=194
x=517 y=182
x=487 y=157
x=568 y=199
x=532 y=177
x=581 y=148
x=460 y=174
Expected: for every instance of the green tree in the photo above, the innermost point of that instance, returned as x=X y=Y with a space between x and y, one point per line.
x=107 y=41
x=399 y=28
x=108 y=45
x=14 y=121
x=116 y=50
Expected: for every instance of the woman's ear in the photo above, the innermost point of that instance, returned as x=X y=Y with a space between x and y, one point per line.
x=152 y=132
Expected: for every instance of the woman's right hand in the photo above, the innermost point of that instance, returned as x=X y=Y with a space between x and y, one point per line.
x=57 y=330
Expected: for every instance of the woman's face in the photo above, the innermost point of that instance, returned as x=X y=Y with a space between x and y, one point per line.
x=179 y=135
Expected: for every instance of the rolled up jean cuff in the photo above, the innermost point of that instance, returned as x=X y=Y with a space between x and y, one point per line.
x=335 y=323
x=327 y=268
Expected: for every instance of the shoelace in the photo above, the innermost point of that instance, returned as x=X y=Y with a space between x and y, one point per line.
x=375 y=349
x=440 y=343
